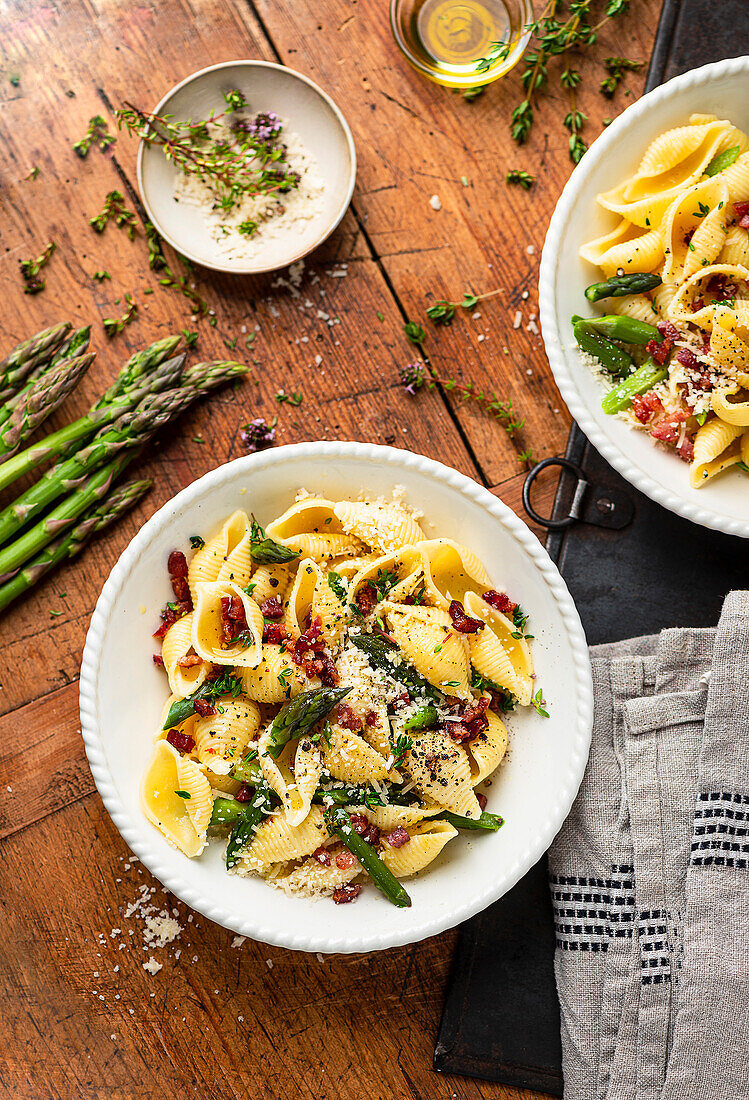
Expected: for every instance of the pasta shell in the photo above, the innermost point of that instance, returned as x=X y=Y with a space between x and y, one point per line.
x=312 y=514
x=716 y=447
x=441 y=772
x=694 y=228
x=270 y=580
x=400 y=566
x=207 y=637
x=379 y=524
x=238 y=564
x=451 y=570
x=275 y=679
x=221 y=738
x=176 y=645
x=428 y=640
x=182 y=820
x=488 y=749
x=496 y=653
x=294 y=776
x=276 y=840
x=324 y=546
x=206 y=564
x=350 y=759
x=427 y=841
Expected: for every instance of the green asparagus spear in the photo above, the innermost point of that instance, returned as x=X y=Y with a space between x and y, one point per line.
x=723 y=160
x=422 y=719
x=637 y=283
x=339 y=822
x=28 y=544
x=244 y=830
x=23 y=359
x=612 y=358
x=352 y=795
x=616 y=326
x=131 y=430
x=643 y=379
x=265 y=551
x=139 y=366
x=381 y=654
x=69 y=545
x=164 y=375
x=247 y=770
x=181 y=709
x=76 y=344
x=487 y=822
x=226 y=813
x=300 y=715
x=46 y=393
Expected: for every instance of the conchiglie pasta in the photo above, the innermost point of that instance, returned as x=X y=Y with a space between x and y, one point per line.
x=221 y=738
x=293 y=776
x=269 y=580
x=275 y=679
x=487 y=751
x=497 y=655
x=378 y=524
x=277 y=840
x=324 y=546
x=441 y=772
x=176 y=798
x=451 y=570
x=427 y=841
x=208 y=638
x=351 y=759
x=427 y=638
x=307 y=516
x=209 y=560
x=715 y=449
x=186 y=671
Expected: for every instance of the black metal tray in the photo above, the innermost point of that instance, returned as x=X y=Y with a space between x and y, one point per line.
x=501 y=1016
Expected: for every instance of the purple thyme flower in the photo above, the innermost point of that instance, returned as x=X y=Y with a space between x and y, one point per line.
x=412 y=377
x=256 y=435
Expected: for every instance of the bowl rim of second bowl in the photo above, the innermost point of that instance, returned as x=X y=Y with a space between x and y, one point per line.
x=345 y=202
x=423 y=924
x=564 y=377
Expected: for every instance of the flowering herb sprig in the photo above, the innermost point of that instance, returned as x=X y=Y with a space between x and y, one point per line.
x=251 y=161
x=553 y=34
x=34 y=282
x=97 y=134
x=115 y=325
x=115 y=209
x=443 y=311
x=256 y=435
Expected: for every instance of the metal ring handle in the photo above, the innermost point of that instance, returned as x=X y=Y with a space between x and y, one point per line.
x=575 y=507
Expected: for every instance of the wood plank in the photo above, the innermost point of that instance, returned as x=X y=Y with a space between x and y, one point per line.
x=353 y=393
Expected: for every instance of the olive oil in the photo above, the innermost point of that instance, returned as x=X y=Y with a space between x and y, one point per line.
x=446 y=38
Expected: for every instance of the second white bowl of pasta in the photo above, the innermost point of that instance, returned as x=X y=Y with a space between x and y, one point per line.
x=654 y=362
x=344 y=701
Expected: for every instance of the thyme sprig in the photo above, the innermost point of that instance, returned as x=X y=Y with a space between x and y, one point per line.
x=115 y=209
x=554 y=34
x=115 y=325
x=616 y=68
x=252 y=161
x=169 y=278
x=30 y=269
x=443 y=311
x=522 y=178
x=97 y=134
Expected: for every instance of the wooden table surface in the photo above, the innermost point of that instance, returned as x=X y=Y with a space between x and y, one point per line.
x=82 y=1018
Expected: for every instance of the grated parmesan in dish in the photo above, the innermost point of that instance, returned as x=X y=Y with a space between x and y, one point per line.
x=277 y=215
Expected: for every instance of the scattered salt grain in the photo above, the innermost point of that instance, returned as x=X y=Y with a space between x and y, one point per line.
x=481 y=338
x=435 y=202
x=269 y=963
x=152 y=966
x=518 y=319
x=238 y=941
x=531 y=250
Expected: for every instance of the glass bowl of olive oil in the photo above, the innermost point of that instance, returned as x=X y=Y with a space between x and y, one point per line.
x=462 y=43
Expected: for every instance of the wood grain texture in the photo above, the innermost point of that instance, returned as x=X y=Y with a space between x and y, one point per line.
x=219 y=1020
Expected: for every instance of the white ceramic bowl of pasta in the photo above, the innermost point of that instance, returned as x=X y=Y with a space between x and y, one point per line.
x=533 y=790
x=719 y=89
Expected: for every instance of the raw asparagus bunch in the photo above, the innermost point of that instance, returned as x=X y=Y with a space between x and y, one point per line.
x=45 y=394
x=119 y=501
x=148 y=371
x=24 y=358
x=75 y=344
x=132 y=429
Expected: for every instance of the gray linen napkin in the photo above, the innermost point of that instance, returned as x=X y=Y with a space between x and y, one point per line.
x=631 y=909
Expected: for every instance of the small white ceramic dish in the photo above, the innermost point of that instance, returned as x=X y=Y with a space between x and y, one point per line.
x=308 y=112
x=718 y=89
x=122 y=695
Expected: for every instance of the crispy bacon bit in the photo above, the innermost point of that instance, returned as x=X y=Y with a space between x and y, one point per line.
x=275 y=633
x=233 y=619
x=481 y=799
x=322 y=855
x=359 y=823
x=348 y=718
x=344 y=894
x=463 y=623
x=245 y=793
x=698 y=304
x=741 y=210
x=345 y=860
x=177 y=564
x=398 y=837
x=170 y=613
x=372 y=719
x=158 y=660
x=500 y=601
x=645 y=405
x=308 y=652
x=685 y=450
x=668 y=429
x=181 y=589
x=366 y=598
x=204 y=708
x=272 y=608
x=473 y=721
x=401 y=700
x=189 y=660
x=660 y=351
x=688 y=359
x=180 y=741
x=372 y=835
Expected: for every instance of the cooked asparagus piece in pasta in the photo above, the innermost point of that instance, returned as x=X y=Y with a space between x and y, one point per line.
x=266 y=551
x=617 y=326
x=612 y=358
x=339 y=822
x=299 y=716
x=620 y=285
x=487 y=822
x=643 y=379
x=385 y=655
